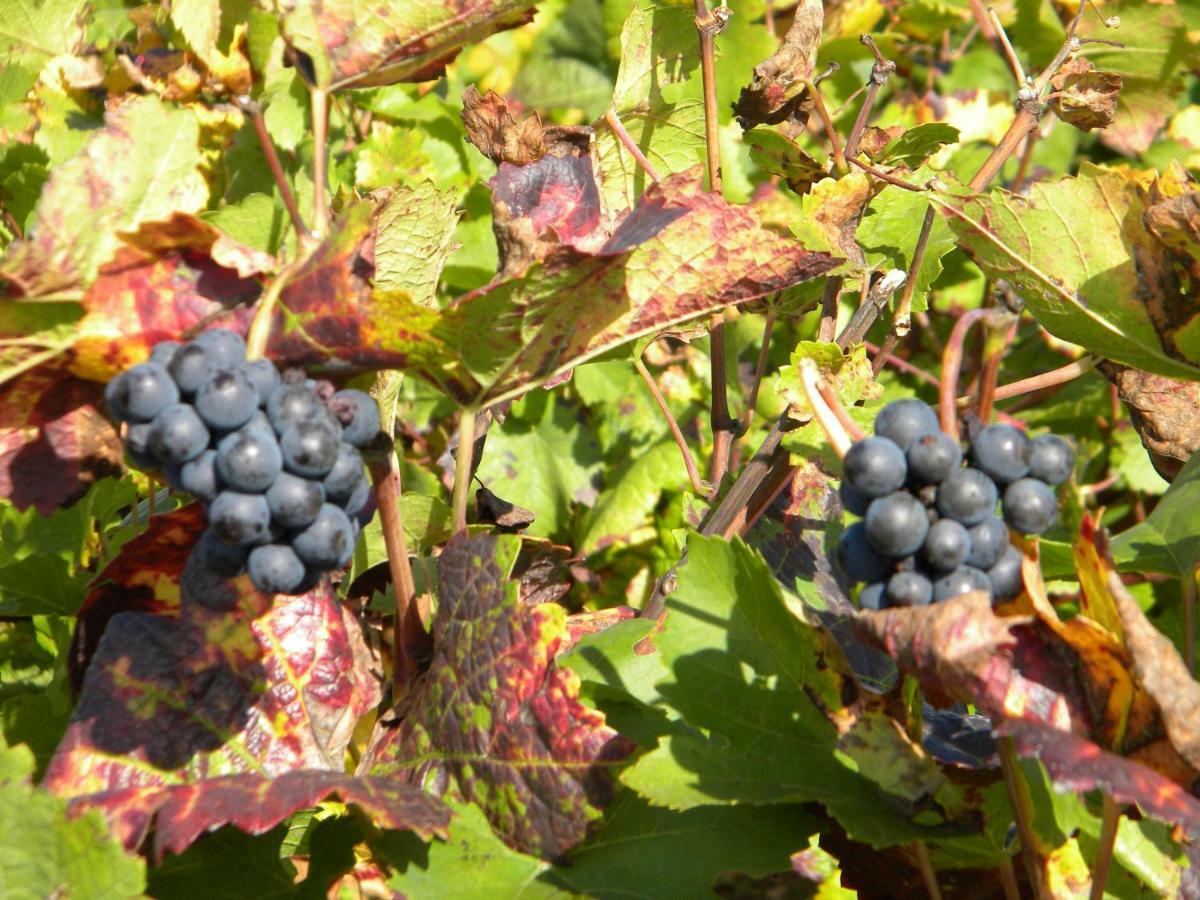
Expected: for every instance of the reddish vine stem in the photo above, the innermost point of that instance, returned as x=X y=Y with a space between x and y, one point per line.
x=829 y=309
x=463 y=466
x=1049 y=379
x=1022 y=807
x=760 y=367
x=1110 y=819
x=902 y=320
x=688 y=462
x=320 y=116
x=707 y=25
x=884 y=176
x=626 y=139
x=999 y=337
x=921 y=852
x=835 y=143
x=951 y=366
x=252 y=108
x=879 y=76
x=1026 y=161
x=1008 y=880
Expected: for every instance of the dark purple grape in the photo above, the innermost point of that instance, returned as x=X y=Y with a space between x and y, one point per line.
x=359 y=415
x=199 y=476
x=226 y=399
x=249 y=461
x=999 y=452
x=310 y=448
x=357 y=502
x=896 y=524
x=1050 y=459
x=224 y=560
x=190 y=367
x=162 y=352
x=238 y=518
x=275 y=569
x=961 y=581
x=875 y=466
x=932 y=458
x=858 y=558
x=946 y=546
x=295 y=501
x=207 y=578
x=140 y=393
x=873 y=596
x=137 y=446
x=345 y=476
x=227 y=349
x=1005 y=576
x=177 y=435
x=903 y=421
x=1030 y=506
x=263 y=375
x=328 y=542
x=854 y=501
x=909 y=589
x=989 y=540
x=291 y=403
x=967 y=496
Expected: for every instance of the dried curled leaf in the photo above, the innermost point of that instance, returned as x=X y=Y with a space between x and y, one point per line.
x=1084 y=97
x=496 y=132
x=1165 y=411
x=778 y=91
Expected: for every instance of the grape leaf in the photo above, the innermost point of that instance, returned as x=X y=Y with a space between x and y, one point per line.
x=1089 y=271
x=353 y=46
x=146 y=163
x=496 y=714
x=778 y=89
x=917 y=144
x=1167 y=540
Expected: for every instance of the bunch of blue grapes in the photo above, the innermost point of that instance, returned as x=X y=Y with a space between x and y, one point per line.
x=274 y=458
x=929 y=529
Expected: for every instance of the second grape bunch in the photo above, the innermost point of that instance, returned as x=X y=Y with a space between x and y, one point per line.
x=273 y=458
x=929 y=528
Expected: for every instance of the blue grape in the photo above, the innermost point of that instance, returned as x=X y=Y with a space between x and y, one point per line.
x=291 y=403
x=137 y=446
x=140 y=393
x=967 y=496
x=226 y=349
x=359 y=415
x=1050 y=459
x=328 y=542
x=190 y=367
x=858 y=559
x=854 y=501
x=357 y=502
x=162 y=352
x=872 y=596
x=961 y=581
x=896 y=524
x=310 y=448
x=177 y=435
x=989 y=540
x=199 y=476
x=909 y=589
x=999 y=452
x=1005 y=575
x=932 y=458
x=238 y=518
x=345 y=476
x=875 y=466
x=220 y=558
x=275 y=569
x=1030 y=506
x=903 y=421
x=258 y=422
x=264 y=376
x=249 y=461
x=226 y=399
x=946 y=546
x=294 y=501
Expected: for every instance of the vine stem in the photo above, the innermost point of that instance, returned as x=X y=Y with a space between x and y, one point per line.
x=707 y=26
x=1022 y=807
x=902 y=320
x=879 y=76
x=626 y=139
x=1110 y=819
x=998 y=338
x=835 y=143
x=760 y=367
x=1053 y=378
x=819 y=400
x=1008 y=880
x=320 y=117
x=259 y=332
x=921 y=852
x=253 y=109
x=951 y=366
x=463 y=463
x=688 y=462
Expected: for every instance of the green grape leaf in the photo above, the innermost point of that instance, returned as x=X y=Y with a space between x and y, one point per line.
x=1168 y=540
x=413 y=232
x=917 y=144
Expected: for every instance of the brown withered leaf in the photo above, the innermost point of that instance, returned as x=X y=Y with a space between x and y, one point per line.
x=777 y=90
x=507 y=517
x=496 y=132
x=1165 y=412
x=1162 y=671
x=1084 y=97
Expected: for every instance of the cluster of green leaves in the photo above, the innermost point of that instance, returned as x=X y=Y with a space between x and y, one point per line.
x=748 y=732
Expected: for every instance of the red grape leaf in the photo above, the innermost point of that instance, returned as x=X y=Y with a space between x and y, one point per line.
x=234 y=682
x=496 y=715
x=1077 y=764
x=181 y=813
x=54 y=442
x=356 y=45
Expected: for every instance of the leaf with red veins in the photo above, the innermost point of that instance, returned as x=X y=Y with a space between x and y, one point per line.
x=181 y=813
x=54 y=441
x=363 y=45
x=262 y=685
x=1076 y=764
x=495 y=715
